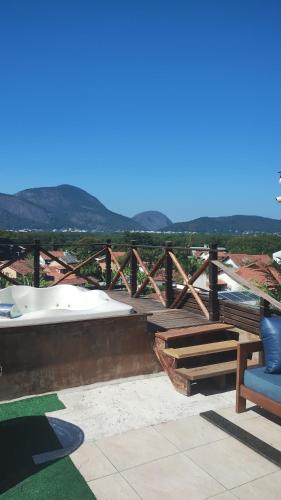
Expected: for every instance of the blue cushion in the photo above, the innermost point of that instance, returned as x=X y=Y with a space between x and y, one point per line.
x=5 y=310
x=271 y=337
x=268 y=384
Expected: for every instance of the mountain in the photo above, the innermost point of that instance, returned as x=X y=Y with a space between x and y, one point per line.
x=231 y=224
x=152 y=220
x=65 y=206
x=60 y=207
x=16 y=213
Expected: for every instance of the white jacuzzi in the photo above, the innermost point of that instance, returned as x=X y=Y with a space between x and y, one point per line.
x=58 y=304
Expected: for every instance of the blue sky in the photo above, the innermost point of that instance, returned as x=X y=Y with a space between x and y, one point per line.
x=146 y=104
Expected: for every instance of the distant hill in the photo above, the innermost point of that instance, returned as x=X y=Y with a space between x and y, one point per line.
x=231 y=224
x=17 y=213
x=65 y=207
x=152 y=220
x=59 y=207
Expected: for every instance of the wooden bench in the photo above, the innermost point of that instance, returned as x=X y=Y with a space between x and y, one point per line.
x=242 y=391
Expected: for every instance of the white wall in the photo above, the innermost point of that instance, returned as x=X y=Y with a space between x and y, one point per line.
x=232 y=285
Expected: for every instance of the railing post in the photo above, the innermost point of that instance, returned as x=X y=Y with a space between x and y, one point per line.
x=264 y=308
x=214 y=310
x=36 y=264
x=134 y=269
x=169 y=292
x=108 y=269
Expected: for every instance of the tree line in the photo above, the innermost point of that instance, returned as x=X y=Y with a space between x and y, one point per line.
x=250 y=244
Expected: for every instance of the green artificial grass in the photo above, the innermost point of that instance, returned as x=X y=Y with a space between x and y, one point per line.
x=59 y=481
x=24 y=432
x=28 y=407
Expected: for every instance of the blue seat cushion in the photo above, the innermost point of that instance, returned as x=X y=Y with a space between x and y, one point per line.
x=271 y=337
x=268 y=384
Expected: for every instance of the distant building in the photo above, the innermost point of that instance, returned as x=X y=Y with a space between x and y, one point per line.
x=64 y=256
x=18 y=269
x=102 y=260
x=55 y=273
x=257 y=269
x=277 y=257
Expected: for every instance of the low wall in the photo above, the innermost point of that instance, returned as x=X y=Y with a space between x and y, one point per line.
x=37 y=359
x=242 y=316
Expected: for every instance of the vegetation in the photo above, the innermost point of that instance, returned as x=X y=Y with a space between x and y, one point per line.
x=152 y=244
x=252 y=244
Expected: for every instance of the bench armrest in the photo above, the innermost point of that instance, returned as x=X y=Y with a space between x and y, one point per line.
x=245 y=348
x=243 y=351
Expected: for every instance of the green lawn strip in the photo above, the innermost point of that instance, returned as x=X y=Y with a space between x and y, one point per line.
x=58 y=480
x=38 y=405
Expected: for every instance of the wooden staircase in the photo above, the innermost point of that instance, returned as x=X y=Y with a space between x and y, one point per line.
x=198 y=352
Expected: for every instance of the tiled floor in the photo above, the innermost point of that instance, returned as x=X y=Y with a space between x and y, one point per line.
x=187 y=458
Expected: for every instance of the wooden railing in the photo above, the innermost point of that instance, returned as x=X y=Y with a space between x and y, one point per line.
x=126 y=273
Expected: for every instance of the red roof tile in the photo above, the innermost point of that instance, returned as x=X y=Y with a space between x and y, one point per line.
x=56 y=253
x=21 y=267
x=266 y=275
x=244 y=259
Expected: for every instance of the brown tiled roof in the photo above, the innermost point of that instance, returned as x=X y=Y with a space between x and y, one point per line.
x=56 y=253
x=243 y=259
x=263 y=275
x=53 y=272
x=119 y=254
x=21 y=267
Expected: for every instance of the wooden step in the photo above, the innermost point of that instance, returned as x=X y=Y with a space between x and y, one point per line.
x=201 y=350
x=178 y=333
x=208 y=371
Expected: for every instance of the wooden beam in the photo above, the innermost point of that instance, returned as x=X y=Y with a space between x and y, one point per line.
x=7 y=278
x=7 y=264
x=152 y=272
x=108 y=268
x=242 y=281
x=76 y=268
x=201 y=349
x=169 y=291
x=189 y=285
x=122 y=275
x=152 y=281
x=120 y=270
x=214 y=306
x=36 y=264
x=177 y=302
x=134 y=269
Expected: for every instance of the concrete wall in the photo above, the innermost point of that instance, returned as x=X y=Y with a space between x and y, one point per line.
x=37 y=359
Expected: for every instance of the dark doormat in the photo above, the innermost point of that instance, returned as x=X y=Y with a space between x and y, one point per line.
x=33 y=452
x=256 y=444
x=29 y=444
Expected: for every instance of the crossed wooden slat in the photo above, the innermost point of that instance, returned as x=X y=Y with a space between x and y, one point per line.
x=188 y=285
x=5 y=276
x=149 y=276
x=120 y=270
x=74 y=270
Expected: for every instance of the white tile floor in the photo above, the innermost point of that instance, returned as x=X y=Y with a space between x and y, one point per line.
x=150 y=464
x=184 y=457
x=154 y=468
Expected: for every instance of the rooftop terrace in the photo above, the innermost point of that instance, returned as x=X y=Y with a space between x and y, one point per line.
x=144 y=440
x=141 y=438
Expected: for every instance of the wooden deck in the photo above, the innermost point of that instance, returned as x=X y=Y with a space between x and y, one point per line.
x=159 y=318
